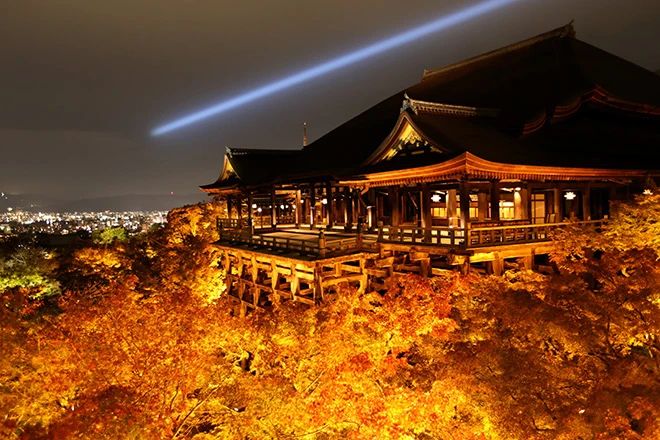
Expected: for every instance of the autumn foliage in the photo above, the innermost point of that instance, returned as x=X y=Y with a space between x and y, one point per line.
x=143 y=344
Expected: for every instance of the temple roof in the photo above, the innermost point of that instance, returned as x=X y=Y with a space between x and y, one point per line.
x=549 y=100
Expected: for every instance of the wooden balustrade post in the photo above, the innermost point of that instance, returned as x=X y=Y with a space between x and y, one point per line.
x=322 y=243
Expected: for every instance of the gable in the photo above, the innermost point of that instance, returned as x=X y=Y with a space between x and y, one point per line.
x=405 y=141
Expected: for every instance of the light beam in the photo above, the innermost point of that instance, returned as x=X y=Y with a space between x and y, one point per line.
x=363 y=53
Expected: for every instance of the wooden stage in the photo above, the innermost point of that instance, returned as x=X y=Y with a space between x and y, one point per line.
x=267 y=266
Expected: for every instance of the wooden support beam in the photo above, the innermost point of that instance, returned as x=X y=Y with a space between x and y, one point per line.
x=586 y=202
x=273 y=208
x=330 y=206
x=498 y=265
x=230 y=206
x=494 y=201
x=250 y=202
x=524 y=203
x=355 y=202
x=372 y=211
x=451 y=207
x=482 y=207
x=239 y=207
x=299 y=211
x=465 y=204
x=348 y=208
x=557 y=205
x=521 y=204
x=312 y=205
x=528 y=260
x=395 y=199
x=425 y=208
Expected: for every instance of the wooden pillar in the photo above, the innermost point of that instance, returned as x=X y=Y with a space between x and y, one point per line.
x=298 y=206
x=482 y=207
x=379 y=206
x=586 y=202
x=330 y=206
x=612 y=198
x=345 y=205
x=557 y=205
x=521 y=204
x=371 y=208
x=395 y=198
x=425 y=214
x=451 y=206
x=497 y=265
x=273 y=209
x=249 y=207
x=230 y=206
x=312 y=206
x=524 y=203
x=355 y=200
x=465 y=204
x=239 y=207
x=494 y=201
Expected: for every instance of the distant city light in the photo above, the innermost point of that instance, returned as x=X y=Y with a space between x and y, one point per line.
x=435 y=198
x=17 y=221
x=254 y=206
x=648 y=192
x=569 y=195
x=361 y=54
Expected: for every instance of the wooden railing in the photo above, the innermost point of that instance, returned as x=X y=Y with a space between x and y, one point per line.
x=439 y=235
x=512 y=234
x=258 y=221
x=231 y=223
x=472 y=237
x=286 y=219
x=315 y=246
x=475 y=237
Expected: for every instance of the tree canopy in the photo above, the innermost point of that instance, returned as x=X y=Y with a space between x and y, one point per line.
x=150 y=347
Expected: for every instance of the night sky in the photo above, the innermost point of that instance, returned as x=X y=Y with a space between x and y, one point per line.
x=83 y=82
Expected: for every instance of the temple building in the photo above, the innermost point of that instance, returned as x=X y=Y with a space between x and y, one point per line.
x=473 y=166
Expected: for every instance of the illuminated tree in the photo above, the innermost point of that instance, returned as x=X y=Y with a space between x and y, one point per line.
x=30 y=270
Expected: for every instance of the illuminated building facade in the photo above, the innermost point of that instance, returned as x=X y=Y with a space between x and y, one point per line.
x=474 y=165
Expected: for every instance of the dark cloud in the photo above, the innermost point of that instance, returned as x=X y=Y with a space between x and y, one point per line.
x=83 y=82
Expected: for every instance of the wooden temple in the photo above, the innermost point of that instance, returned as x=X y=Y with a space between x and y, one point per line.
x=472 y=167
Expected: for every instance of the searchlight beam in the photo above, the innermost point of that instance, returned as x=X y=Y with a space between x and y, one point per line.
x=363 y=53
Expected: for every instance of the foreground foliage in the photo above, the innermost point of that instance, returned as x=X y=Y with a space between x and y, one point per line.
x=142 y=344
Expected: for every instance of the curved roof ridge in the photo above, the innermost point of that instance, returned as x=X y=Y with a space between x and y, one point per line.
x=562 y=32
x=417 y=106
x=242 y=151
